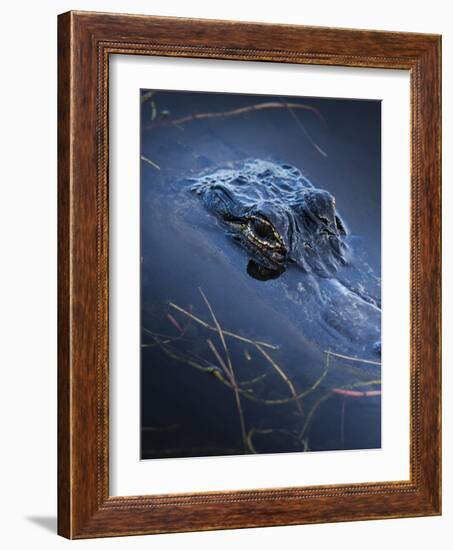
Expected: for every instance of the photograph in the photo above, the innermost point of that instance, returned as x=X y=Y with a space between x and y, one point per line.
x=225 y=259
x=260 y=274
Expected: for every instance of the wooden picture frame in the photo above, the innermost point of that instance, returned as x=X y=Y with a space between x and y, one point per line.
x=85 y=42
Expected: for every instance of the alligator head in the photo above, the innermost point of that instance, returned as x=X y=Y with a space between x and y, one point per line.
x=277 y=216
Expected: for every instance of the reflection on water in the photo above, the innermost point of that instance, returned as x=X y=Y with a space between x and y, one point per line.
x=241 y=354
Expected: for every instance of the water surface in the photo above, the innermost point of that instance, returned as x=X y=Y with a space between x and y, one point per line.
x=191 y=268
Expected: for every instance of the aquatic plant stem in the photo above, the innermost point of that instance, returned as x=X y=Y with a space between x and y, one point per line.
x=237 y=112
x=190 y=362
x=178 y=122
x=230 y=370
x=356 y=359
x=304 y=130
x=219 y=359
x=150 y=162
x=196 y=364
x=225 y=332
x=251 y=434
x=352 y=393
x=282 y=374
x=314 y=408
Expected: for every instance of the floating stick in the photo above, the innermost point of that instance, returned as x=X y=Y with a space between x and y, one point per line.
x=281 y=373
x=354 y=393
x=237 y=112
x=150 y=162
x=225 y=332
x=357 y=359
x=178 y=122
x=229 y=369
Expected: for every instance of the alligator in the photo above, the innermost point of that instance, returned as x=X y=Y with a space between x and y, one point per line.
x=290 y=229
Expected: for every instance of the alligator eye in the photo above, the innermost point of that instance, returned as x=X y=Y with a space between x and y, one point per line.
x=262 y=229
x=324 y=220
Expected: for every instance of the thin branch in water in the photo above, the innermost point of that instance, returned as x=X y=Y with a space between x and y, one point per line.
x=304 y=130
x=219 y=330
x=357 y=359
x=282 y=375
x=161 y=428
x=250 y=435
x=209 y=369
x=253 y=380
x=177 y=357
x=345 y=391
x=174 y=322
x=301 y=395
x=146 y=96
x=310 y=415
x=219 y=359
x=167 y=339
x=230 y=369
x=249 y=108
x=225 y=332
x=237 y=112
x=355 y=393
x=375 y=382
x=150 y=162
x=271 y=431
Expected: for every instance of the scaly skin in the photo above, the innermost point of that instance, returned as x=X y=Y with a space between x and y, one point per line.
x=282 y=222
x=278 y=216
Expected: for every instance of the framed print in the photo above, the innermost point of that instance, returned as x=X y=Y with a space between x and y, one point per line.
x=249 y=275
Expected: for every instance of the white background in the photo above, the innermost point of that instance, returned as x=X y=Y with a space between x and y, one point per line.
x=28 y=271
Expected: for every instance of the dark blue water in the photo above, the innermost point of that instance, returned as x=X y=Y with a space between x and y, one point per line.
x=287 y=393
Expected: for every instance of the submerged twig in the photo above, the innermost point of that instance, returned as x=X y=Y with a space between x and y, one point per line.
x=303 y=394
x=314 y=408
x=250 y=435
x=355 y=393
x=222 y=369
x=357 y=359
x=304 y=130
x=225 y=332
x=271 y=431
x=343 y=391
x=282 y=374
x=178 y=122
x=167 y=338
x=208 y=369
x=150 y=162
x=237 y=112
x=174 y=322
x=219 y=359
x=228 y=368
x=147 y=95
x=169 y=428
x=253 y=380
